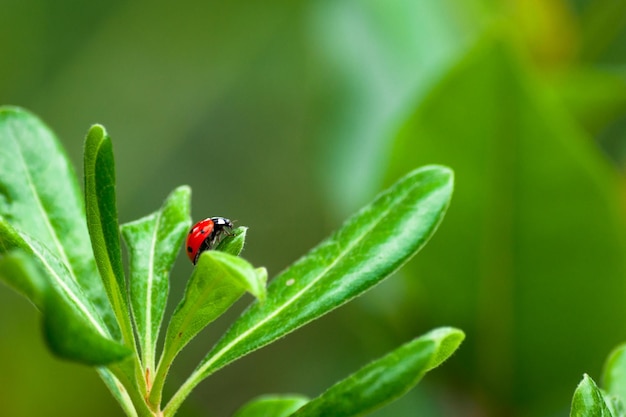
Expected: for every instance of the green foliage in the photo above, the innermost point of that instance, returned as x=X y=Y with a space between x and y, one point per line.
x=371 y=387
x=37 y=181
x=78 y=325
x=272 y=406
x=366 y=249
x=509 y=95
x=218 y=280
x=590 y=400
x=614 y=378
x=103 y=225
x=385 y=379
x=154 y=242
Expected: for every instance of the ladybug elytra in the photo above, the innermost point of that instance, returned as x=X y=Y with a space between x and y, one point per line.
x=205 y=234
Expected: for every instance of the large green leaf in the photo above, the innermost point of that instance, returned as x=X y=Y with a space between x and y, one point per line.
x=589 y=401
x=55 y=273
x=102 y=222
x=385 y=379
x=538 y=215
x=377 y=60
x=72 y=327
x=153 y=242
x=20 y=275
x=272 y=406
x=218 y=280
x=39 y=195
x=369 y=247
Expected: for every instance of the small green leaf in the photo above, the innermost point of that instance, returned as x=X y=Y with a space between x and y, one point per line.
x=70 y=336
x=272 y=406
x=153 y=242
x=23 y=278
x=369 y=247
x=233 y=243
x=54 y=273
x=588 y=400
x=103 y=224
x=385 y=379
x=218 y=280
x=68 y=332
x=614 y=378
x=40 y=196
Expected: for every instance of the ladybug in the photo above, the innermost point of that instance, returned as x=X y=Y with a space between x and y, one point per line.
x=205 y=234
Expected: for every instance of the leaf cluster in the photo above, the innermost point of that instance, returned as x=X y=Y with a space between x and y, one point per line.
x=62 y=249
x=608 y=401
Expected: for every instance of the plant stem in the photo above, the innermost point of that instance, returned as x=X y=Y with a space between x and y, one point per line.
x=156 y=392
x=133 y=391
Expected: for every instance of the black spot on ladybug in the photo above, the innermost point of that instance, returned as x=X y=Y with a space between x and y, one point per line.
x=203 y=231
x=189 y=249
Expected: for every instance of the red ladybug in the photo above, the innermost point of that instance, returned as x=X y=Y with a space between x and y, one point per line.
x=205 y=234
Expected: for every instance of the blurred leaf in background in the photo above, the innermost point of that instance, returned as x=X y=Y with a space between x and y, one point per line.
x=531 y=262
x=323 y=103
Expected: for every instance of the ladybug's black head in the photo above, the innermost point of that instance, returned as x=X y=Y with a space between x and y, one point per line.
x=222 y=222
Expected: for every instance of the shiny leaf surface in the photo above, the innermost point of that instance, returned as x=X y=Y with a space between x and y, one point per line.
x=366 y=249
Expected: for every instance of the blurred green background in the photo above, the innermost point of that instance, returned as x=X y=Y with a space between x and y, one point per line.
x=288 y=116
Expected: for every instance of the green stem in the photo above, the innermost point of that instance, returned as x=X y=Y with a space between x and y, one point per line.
x=156 y=392
x=133 y=391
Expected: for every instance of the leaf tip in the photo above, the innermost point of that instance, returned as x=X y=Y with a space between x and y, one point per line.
x=447 y=341
x=96 y=136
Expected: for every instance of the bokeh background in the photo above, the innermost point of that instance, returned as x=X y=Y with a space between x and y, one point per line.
x=289 y=115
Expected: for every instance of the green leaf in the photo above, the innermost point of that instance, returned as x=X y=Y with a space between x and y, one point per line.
x=70 y=336
x=39 y=195
x=588 y=400
x=70 y=331
x=103 y=224
x=21 y=275
x=614 y=378
x=368 y=248
x=385 y=379
x=384 y=58
x=153 y=242
x=54 y=272
x=234 y=242
x=272 y=406
x=218 y=280
x=523 y=241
